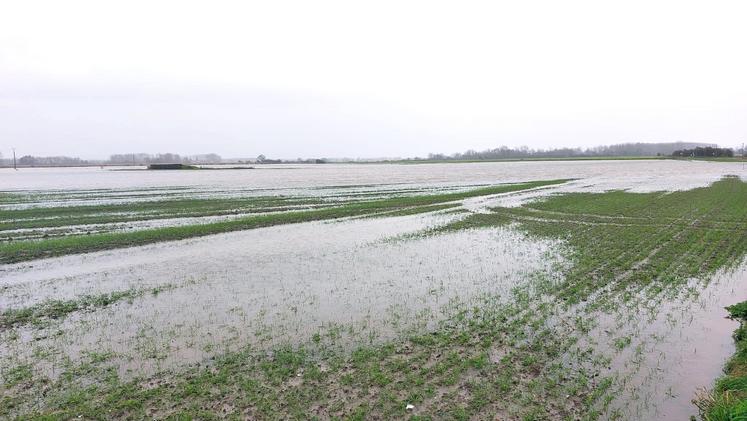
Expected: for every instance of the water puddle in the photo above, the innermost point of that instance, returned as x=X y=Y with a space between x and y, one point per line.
x=676 y=347
x=265 y=287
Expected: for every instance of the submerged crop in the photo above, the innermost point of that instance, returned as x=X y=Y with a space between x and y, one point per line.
x=17 y=251
x=502 y=330
x=623 y=242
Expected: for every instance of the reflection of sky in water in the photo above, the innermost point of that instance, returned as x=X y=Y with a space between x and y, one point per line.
x=294 y=280
x=289 y=282
x=659 y=174
x=684 y=344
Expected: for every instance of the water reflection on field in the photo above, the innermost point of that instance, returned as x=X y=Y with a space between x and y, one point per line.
x=363 y=279
x=659 y=174
x=269 y=286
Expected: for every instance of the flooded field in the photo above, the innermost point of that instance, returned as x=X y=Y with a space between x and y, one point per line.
x=521 y=290
x=667 y=174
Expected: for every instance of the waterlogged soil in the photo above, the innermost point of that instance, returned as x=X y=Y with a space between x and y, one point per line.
x=665 y=352
x=663 y=174
x=258 y=287
x=135 y=225
x=356 y=281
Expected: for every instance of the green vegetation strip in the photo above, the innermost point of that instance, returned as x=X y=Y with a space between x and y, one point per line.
x=57 y=309
x=29 y=250
x=487 y=362
x=59 y=216
x=629 y=241
x=728 y=401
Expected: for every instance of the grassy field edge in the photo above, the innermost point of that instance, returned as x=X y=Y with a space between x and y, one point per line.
x=728 y=400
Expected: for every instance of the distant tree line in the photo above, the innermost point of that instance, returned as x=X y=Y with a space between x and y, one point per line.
x=117 y=159
x=261 y=159
x=163 y=158
x=49 y=161
x=622 y=149
x=707 y=151
x=676 y=149
x=145 y=159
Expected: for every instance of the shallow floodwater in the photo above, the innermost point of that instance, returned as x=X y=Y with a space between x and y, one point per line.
x=644 y=175
x=266 y=287
x=369 y=278
x=677 y=347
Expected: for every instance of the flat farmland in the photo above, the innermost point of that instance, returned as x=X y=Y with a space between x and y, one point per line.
x=517 y=290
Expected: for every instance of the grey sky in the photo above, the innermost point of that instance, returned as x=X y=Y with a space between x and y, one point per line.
x=366 y=79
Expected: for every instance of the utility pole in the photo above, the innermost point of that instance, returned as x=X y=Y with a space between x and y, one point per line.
x=14 y=159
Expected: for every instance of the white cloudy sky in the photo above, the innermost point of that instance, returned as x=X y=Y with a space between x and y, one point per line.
x=366 y=79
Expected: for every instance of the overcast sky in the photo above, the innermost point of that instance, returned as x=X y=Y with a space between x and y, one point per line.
x=366 y=79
